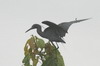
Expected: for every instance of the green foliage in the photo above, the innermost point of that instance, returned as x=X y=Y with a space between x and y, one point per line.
x=36 y=50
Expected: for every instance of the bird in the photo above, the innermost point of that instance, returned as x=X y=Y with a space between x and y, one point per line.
x=54 y=32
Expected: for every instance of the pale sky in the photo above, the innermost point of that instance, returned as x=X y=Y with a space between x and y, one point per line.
x=82 y=46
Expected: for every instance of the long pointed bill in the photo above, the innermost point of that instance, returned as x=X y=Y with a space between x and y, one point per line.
x=28 y=30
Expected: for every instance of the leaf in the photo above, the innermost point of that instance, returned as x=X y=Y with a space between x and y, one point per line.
x=49 y=62
x=55 y=59
x=35 y=61
x=31 y=42
x=34 y=58
x=26 y=50
x=60 y=60
x=40 y=43
x=26 y=60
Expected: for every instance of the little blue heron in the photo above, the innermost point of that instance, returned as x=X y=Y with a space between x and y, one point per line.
x=54 y=33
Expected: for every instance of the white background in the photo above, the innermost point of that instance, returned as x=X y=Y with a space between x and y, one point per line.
x=82 y=46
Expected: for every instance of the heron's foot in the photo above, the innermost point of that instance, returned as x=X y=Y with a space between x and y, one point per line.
x=56 y=48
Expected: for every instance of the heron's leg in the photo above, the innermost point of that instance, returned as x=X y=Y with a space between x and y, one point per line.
x=53 y=44
x=57 y=45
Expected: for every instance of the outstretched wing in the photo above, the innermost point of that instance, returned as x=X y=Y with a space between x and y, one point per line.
x=57 y=29
x=66 y=25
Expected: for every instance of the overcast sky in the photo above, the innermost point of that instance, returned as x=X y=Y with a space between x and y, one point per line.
x=82 y=46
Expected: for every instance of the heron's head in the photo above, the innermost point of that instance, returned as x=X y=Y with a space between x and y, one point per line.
x=33 y=27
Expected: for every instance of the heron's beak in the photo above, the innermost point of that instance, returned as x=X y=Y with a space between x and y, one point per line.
x=28 y=30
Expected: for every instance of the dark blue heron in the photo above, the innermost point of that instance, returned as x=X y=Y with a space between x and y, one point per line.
x=54 y=32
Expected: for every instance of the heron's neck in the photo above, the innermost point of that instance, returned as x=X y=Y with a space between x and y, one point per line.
x=39 y=31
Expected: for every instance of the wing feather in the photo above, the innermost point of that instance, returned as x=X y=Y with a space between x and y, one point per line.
x=66 y=25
